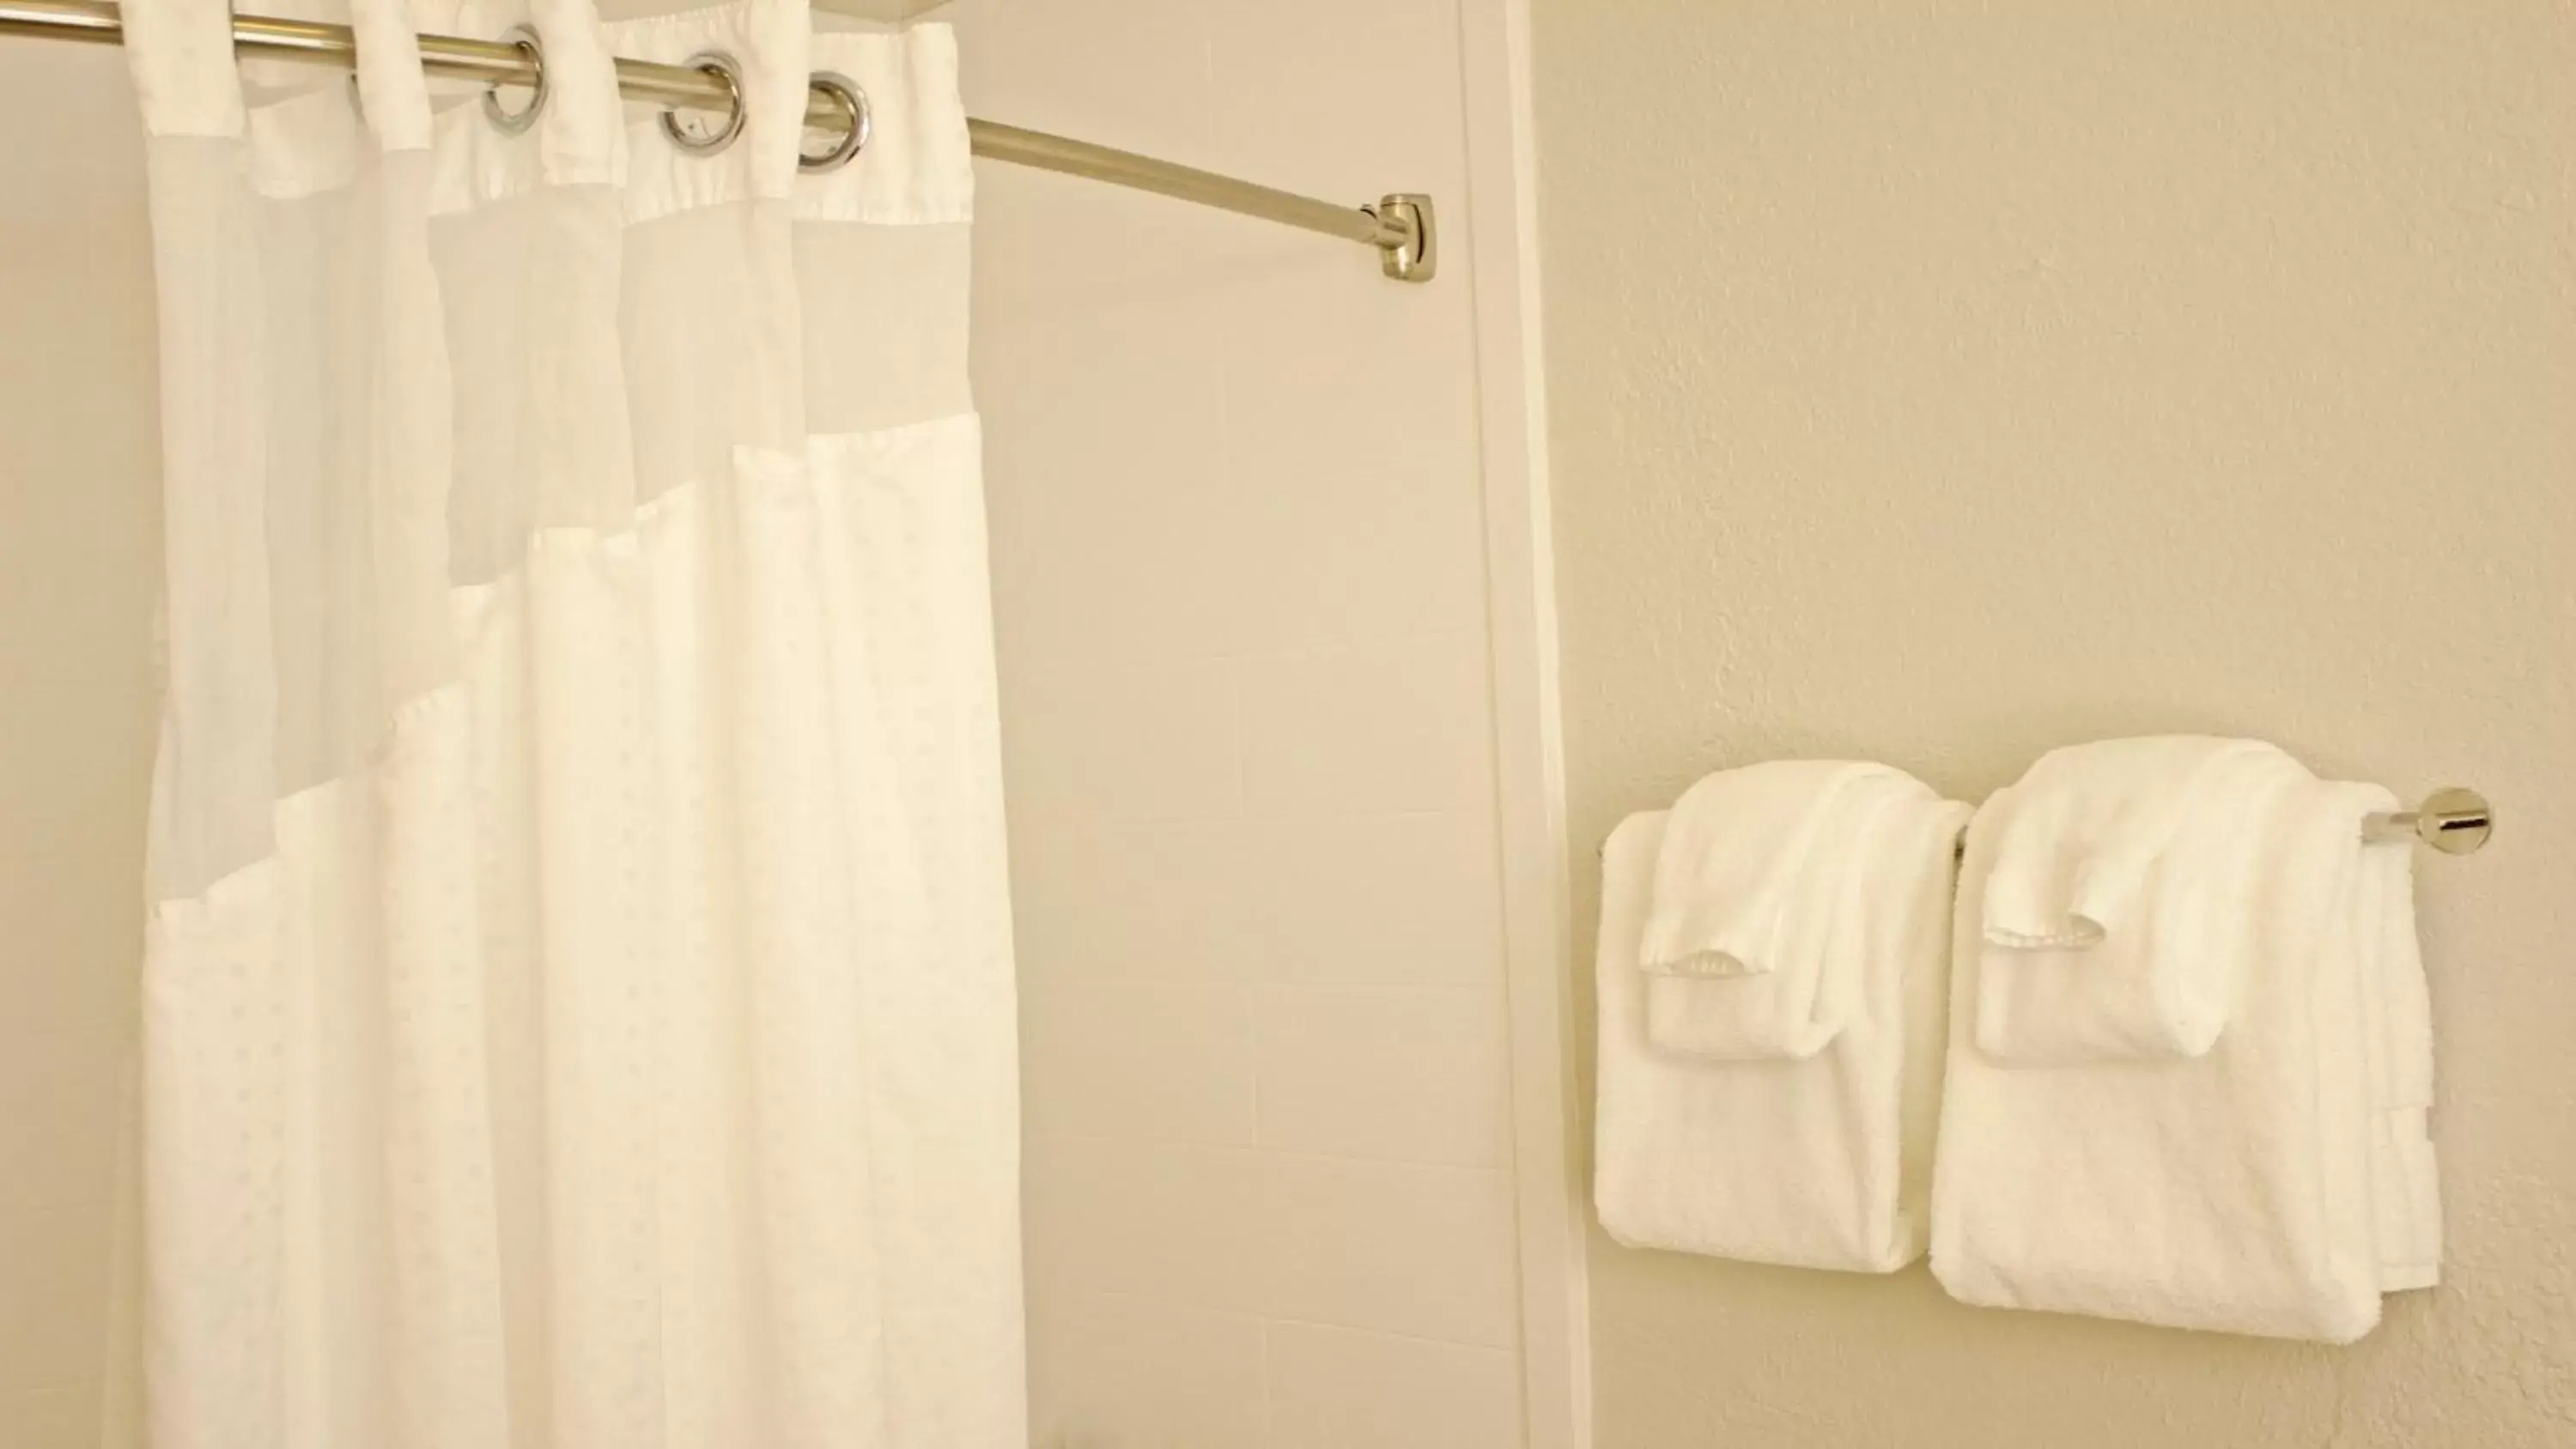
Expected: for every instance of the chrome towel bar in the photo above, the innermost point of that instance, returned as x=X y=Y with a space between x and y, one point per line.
x=2454 y=820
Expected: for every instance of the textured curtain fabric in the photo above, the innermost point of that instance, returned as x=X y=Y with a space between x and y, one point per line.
x=578 y=1008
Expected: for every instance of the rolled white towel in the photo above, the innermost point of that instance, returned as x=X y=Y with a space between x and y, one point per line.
x=2119 y=869
x=1760 y=888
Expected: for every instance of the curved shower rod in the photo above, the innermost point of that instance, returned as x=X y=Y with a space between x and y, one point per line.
x=1399 y=225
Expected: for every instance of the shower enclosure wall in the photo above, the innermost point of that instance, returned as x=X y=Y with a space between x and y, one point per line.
x=1262 y=548
x=1248 y=644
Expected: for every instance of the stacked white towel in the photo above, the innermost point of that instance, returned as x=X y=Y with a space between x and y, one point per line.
x=2114 y=915
x=2219 y=1124
x=1763 y=876
x=1778 y=1105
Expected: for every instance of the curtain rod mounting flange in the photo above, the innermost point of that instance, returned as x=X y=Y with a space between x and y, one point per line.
x=1414 y=256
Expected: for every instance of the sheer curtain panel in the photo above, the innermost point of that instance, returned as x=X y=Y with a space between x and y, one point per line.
x=578 y=1002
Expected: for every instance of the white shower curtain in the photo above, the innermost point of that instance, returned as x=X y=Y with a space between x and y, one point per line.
x=578 y=1002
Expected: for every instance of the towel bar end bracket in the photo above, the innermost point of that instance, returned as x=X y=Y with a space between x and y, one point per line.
x=2452 y=820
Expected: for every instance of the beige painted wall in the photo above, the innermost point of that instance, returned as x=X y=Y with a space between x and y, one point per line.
x=80 y=558
x=1944 y=381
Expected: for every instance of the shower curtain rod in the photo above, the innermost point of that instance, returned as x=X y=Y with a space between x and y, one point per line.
x=1400 y=224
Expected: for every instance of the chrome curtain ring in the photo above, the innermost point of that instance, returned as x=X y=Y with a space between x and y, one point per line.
x=845 y=93
x=722 y=66
x=509 y=122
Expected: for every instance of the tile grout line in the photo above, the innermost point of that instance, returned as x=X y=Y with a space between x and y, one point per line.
x=1076 y=1137
x=1306 y=649
x=1265 y=1320
x=67 y=1388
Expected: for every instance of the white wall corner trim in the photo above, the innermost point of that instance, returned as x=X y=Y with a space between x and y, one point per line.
x=1501 y=210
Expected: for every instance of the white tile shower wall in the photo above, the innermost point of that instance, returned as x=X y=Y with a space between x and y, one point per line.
x=79 y=562
x=1239 y=578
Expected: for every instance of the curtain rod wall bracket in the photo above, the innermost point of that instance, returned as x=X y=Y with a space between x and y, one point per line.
x=1415 y=255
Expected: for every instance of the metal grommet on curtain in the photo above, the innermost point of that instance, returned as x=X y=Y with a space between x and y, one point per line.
x=509 y=122
x=723 y=67
x=853 y=102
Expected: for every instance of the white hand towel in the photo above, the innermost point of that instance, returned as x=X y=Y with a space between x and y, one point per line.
x=1758 y=866
x=1815 y=1163
x=2276 y=1185
x=2118 y=867
x=2397 y=1022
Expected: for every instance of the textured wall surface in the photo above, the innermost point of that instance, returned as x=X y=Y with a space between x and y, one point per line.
x=80 y=558
x=1943 y=381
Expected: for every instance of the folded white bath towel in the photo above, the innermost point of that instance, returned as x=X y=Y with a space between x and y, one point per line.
x=1761 y=869
x=1817 y=1163
x=2119 y=867
x=2276 y=1185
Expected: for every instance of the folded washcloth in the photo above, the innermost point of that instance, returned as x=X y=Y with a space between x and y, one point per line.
x=2120 y=868
x=2277 y=1184
x=1759 y=868
x=1817 y=1163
